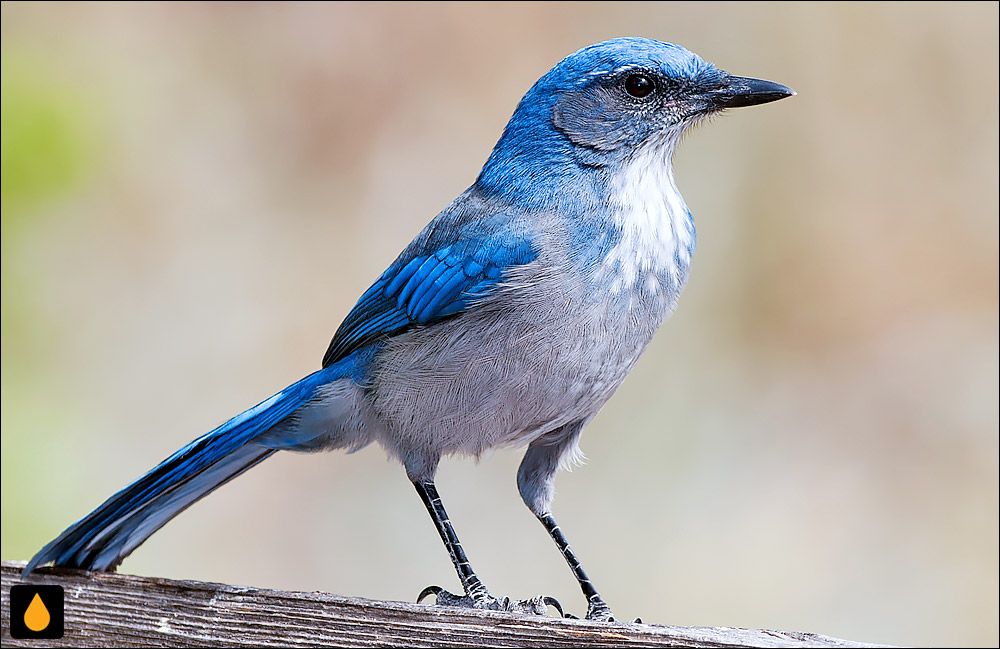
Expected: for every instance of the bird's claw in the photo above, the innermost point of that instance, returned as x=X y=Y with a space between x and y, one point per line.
x=430 y=590
x=599 y=611
x=533 y=606
x=554 y=603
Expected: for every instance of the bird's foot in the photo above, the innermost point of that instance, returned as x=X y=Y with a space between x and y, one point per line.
x=485 y=601
x=599 y=611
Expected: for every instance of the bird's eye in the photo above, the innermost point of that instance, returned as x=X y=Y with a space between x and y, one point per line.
x=639 y=85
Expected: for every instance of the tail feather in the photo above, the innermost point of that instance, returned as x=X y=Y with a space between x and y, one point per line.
x=101 y=539
x=138 y=528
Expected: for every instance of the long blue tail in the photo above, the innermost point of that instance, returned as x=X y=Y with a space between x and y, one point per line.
x=101 y=539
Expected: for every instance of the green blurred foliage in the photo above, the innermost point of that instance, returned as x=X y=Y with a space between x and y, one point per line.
x=43 y=138
x=47 y=131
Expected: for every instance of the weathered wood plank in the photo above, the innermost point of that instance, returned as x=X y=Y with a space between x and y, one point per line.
x=111 y=610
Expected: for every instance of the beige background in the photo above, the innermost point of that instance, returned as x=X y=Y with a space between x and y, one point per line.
x=195 y=195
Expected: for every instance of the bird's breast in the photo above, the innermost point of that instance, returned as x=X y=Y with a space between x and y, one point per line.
x=541 y=352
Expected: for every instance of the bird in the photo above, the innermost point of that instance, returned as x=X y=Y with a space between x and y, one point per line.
x=509 y=320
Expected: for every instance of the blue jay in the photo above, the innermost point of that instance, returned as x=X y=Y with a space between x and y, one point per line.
x=509 y=320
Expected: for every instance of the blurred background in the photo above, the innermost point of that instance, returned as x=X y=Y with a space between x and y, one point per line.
x=194 y=195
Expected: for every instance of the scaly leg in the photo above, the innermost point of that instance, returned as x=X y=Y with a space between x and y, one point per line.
x=597 y=608
x=535 y=482
x=476 y=595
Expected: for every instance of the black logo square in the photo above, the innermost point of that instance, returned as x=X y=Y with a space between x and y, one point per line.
x=36 y=612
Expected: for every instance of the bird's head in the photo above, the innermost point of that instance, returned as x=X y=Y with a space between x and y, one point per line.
x=601 y=104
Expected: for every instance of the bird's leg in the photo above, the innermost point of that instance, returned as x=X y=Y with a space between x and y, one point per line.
x=474 y=588
x=476 y=595
x=535 y=482
x=597 y=608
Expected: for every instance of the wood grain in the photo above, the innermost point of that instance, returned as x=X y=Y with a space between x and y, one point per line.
x=111 y=610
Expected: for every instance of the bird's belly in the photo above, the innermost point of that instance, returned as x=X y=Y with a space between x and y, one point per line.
x=508 y=371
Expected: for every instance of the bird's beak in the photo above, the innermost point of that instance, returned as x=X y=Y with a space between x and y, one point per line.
x=737 y=92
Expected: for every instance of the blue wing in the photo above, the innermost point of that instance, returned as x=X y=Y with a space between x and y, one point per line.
x=428 y=283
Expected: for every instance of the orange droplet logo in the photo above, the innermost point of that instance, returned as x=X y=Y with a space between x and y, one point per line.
x=36 y=617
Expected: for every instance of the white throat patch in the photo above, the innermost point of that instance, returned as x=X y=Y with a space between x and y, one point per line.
x=657 y=234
